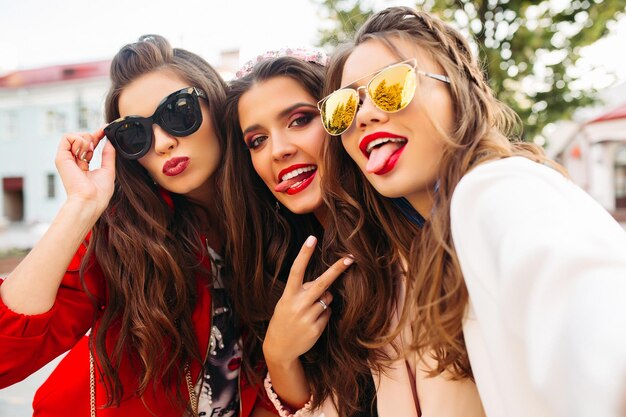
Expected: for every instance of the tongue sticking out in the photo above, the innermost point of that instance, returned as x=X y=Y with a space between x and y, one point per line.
x=284 y=185
x=380 y=155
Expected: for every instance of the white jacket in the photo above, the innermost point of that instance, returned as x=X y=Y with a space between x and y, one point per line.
x=545 y=266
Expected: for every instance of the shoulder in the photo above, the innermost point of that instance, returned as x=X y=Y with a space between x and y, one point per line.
x=496 y=194
x=528 y=205
x=507 y=172
x=517 y=186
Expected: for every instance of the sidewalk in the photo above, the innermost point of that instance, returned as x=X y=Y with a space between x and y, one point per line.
x=14 y=240
x=16 y=400
x=20 y=236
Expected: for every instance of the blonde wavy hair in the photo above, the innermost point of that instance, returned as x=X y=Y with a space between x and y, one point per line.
x=484 y=129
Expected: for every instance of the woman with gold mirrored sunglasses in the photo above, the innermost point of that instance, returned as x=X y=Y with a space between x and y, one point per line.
x=515 y=276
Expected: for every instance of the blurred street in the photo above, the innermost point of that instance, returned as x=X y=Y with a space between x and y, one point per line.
x=16 y=400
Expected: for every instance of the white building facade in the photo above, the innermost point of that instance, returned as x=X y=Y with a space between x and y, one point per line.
x=36 y=108
x=594 y=153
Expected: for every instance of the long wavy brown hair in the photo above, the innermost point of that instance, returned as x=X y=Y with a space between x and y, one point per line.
x=264 y=241
x=485 y=129
x=149 y=251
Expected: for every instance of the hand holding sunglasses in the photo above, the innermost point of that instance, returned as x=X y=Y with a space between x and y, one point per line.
x=391 y=89
x=179 y=114
x=90 y=188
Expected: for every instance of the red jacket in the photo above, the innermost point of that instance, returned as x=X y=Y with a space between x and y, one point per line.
x=29 y=342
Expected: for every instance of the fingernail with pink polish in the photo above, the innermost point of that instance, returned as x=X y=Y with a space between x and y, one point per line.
x=310 y=241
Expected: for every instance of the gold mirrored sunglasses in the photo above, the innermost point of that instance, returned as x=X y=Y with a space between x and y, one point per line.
x=391 y=89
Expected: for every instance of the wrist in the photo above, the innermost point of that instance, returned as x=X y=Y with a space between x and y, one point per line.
x=273 y=353
x=83 y=211
x=284 y=410
x=281 y=362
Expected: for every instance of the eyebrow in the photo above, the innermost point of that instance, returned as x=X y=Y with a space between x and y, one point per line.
x=282 y=114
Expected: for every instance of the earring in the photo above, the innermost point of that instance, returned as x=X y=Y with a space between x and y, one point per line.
x=276 y=206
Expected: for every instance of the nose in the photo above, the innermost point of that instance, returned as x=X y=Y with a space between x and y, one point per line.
x=163 y=141
x=282 y=147
x=367 y=113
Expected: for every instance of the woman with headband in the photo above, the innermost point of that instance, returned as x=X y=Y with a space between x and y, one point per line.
x=322 y=348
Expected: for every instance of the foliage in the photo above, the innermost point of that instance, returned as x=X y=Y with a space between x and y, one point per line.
x=528 y=49
x=13 y=253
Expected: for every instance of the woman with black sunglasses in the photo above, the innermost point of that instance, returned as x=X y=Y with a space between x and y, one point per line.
x=134 y=256
x=323 y=349
x=515 y=276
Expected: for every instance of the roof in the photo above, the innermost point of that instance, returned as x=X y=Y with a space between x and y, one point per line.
x=25 y=78
x=615 y=114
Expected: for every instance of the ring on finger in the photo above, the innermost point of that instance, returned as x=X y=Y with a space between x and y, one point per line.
x=324 y=305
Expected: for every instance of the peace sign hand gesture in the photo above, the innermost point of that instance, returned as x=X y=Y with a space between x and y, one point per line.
x=302 y=312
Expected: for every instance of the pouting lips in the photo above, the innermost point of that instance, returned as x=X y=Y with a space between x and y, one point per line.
x=293 y=178
x=380 y=150
x=175 y=166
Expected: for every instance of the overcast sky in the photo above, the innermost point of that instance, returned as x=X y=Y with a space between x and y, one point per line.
x=45 y=32
x=40 y=32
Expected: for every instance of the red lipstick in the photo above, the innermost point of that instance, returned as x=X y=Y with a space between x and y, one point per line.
x=175 y=166
x=296 y=181
x=391 y=162
x=372 y=137
x=290 y=168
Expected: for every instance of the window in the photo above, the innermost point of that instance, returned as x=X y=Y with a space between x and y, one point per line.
x=51 y=182
x=620 y=177
x=55 y=122
x=88 y=118
x=8 y=124
x=83 y=118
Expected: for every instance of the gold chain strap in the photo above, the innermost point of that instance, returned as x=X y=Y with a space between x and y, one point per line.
x=92 y=386
x=193 y=399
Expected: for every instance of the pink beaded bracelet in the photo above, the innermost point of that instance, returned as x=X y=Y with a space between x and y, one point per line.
x=283 y=411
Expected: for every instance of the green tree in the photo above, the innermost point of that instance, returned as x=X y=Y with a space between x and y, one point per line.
x=388 y=98
x=528 y=49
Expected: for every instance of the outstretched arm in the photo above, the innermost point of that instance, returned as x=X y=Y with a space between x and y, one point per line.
x=32 y=287
x=545 y=266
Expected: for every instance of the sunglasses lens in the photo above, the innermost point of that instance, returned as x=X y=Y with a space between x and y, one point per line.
x=338 y=111
x=180 y=115
x=131 y=137
x=393 y=89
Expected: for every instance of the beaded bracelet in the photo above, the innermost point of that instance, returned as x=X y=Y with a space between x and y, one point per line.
x=283 y=411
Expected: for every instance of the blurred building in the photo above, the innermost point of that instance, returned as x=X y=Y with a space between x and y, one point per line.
x=594 y=153
x=36 y=107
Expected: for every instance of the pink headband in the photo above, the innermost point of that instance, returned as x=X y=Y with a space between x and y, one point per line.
x=308 y=55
